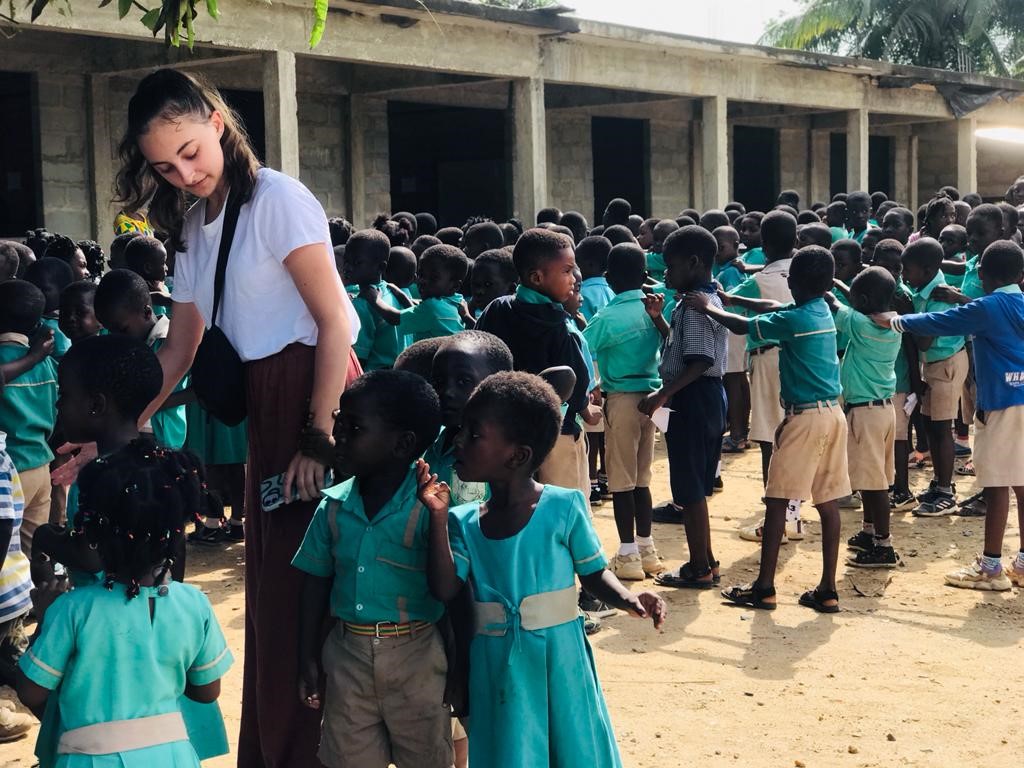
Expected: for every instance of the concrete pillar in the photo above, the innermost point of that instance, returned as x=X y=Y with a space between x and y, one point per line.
x=912 y=170
x=696 y=164
x=358 y=125
x=280 y=112
x=529 y=149
x=857 y=150
x=821 y=152
x=966 y=155
x=715 y=152
x=101 y=161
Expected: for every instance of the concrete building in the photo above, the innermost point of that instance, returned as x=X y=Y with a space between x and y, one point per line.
x=465 y=109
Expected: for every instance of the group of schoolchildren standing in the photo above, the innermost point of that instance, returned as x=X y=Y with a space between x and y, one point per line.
x=513 y=381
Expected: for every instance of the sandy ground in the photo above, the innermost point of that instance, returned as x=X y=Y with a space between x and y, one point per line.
x=909 y=673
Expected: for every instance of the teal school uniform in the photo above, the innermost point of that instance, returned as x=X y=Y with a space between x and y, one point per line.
x=656 y=266
x=441 y=458
x=956 y=281
x=596 y=293
x=535 y=698
x=96 y=648
x=169 y=424
x=378 y=342
x=942 y=347
x=728 y=276
x=867 y=371
x=432 y=317
x=971 y=283
x=808 y=363
x=378 y=566
x=625 y=344
x=754 y=257
x=61 y=343
x=838 y=233
x=28 y=406
x=901 y=365
x=841 y=338
x=213 y=441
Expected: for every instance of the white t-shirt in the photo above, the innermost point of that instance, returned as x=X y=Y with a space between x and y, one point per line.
x=261 y=310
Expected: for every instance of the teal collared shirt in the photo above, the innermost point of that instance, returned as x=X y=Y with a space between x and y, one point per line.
x=379 y=566
x=957 y=281
x=28 y=406
x=378 y=342
x=530 y=296
x=728 y=275
x=868 y=370
x=61 y=343
x=596 y=294
x=441 y=459
x=625 y=344
x=436 y=316
x=754 y=257
x=971 y=284
x=656 y=265
x=808 y=363
x=901 y=366
x=942 y=347
x=1012 y=288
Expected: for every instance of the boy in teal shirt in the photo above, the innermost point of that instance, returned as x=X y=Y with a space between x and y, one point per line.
x=592 y=259
x=625 y=344
x=945 y=371
x=28 y=410
x=809 y=460
x=52 y=276
x=366 y=256
x=655 y=260
x=442 y=269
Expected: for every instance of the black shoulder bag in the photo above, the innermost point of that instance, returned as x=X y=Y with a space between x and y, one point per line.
x=218 y=374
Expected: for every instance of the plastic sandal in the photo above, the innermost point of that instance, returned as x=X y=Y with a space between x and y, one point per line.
x=686 y=577
x=751 y=596
x=812 y=598
x=732 y=445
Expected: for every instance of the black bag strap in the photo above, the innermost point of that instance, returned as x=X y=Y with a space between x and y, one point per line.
x=226 y=236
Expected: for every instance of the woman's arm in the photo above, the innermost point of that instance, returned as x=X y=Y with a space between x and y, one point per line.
x=177 y=352
x=316 y=279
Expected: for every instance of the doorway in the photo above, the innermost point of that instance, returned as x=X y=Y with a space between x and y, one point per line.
x=621 y=157
x=755 y=167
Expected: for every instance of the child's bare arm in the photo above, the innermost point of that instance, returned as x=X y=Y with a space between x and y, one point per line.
x=313 y=602
x=390 y=315
x=41 y=346
x=605 y=586
x=204 y=694
x=400 y=296
x=442 y=580
x=842 y=287
x=758 y=306
x=698 y=302
x=954 y=267
x=654 y=304
x=693 y=371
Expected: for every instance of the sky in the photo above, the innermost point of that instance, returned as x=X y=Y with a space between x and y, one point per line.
x=740 y=21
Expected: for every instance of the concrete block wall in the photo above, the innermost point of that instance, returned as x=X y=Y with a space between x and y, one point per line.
x=794 y=172
x=999 y=164
x=570 y=161
x=936 y=158
x=322 y=149
x=670 y=167
x=63 y=147
x=376 y=160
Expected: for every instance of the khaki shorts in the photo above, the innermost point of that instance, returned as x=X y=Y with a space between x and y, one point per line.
x=945 y=380
x=628 y=442
x=899 y=400
x=998 y=452
x=809 y=458
x=870 y=447
x=766 y=411
x=594 y=428
x=566 y=466
x=35 y=483
x=458 y=730
x=385 y=701
x=736 y=359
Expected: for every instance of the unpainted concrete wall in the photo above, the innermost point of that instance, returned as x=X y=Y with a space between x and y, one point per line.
x=570 y=161
x=322 y=149
x=63 y=137
x=670 y=167
x=999 y=164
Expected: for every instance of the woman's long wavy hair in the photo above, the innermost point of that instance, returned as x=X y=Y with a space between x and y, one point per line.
x=168 y=94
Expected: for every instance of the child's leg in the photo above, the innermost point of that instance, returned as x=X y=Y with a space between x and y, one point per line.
x=766 y=460
x=902 y=452
x=234 y=482
x=642 y=506
x=624 y=509
x=771 y=538
x=594 y=445
x=921 y=443
x=940 y=439
x=698 y=535
x=997 y=503
x=1018 y=491
x=738 y=403
x=830 y=528
x=876 y=512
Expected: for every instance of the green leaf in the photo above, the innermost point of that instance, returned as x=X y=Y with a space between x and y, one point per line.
x=105 y=3
x=123 y=6
x=150 y=19
x=319 y=22
x=189 y=28
x=37 y=8
x=211 y=8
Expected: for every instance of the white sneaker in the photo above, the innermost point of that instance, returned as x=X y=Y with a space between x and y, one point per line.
x=14 y=725
x=974 y=577
x=651 y=561
x=794 y=530
x=627 y=567
x=753 y=533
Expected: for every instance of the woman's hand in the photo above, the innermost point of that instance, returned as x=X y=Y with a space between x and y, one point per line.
x=81 y=454
x=306 y=476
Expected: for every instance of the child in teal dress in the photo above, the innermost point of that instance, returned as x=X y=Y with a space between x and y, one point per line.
x=128 y=655
x=534 y=696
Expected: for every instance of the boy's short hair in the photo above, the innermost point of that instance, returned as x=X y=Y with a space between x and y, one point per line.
x=141 y=252
x=877 y=198
x=817 y=234
x=51 y=276
x=549 y=216
x=418 y=357
x=628 y=261
x=404 y=400
x=616 y=212
x=858 y=198
x=26 y=256
x=592 y=252
x=401 y=268
x=889 y=246
x=903 y=213
x=839 y=197
x=788 y=197
x=371 y=242
x=21 y=307
x=808 y=217
x=118 y=246
x=449 y=235
x=685 y=221
x=728 y=231
x=1010 y=213
x=397 y=231
x=426 y=224
x=486 y=235
x=713 y=219
x=973 y=199
x=120 y=289
x=955 y=229
x=409 y=221
x=537 y=246
x=618 y=233
x=877 y=286
x=453 y=261
x=525 y=407
x=120 y=367
x=848 y=247
x=503 y=259
x=884 y=208
x=10 y=260
x=778 y=231
x=924 y=252
x=634 y=222
x=663 y=229
x=839 y=206
x=989 y=212
x=787 y=209
x=511 y=232
x=341 y=230
x=1003 y=261
x=735 y=206
x=80 y=289
x=692 y=241
x=813 y=269
x=495 y=351
x=576 y=223
x=421 y=243
x=949 y=191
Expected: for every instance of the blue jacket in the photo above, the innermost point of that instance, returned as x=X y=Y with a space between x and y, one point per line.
x=997 y=323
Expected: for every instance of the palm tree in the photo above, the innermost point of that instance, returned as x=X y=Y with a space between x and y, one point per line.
x=962 y=35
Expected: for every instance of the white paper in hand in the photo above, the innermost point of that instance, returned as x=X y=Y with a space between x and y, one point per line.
x=660 y=418
x=910 y=404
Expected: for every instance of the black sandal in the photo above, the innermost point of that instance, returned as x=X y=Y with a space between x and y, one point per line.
x=815 y=599
x=751 y=596
x=686 y=578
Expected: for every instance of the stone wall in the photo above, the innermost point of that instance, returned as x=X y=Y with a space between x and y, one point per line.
x=63 y=148
x=570 y=161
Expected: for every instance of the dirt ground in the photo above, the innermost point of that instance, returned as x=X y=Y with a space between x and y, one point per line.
x=909 y=673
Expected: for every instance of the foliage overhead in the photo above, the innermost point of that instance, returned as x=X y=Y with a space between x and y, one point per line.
x=985 y=36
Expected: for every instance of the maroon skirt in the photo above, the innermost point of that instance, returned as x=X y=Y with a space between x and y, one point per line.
x=276 y=730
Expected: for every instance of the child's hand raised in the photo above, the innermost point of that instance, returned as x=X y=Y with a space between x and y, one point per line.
x=647 y=605
x=654 y=303
x=369 y=292
x=435 y=496
x=42 y=345
x=697 y=301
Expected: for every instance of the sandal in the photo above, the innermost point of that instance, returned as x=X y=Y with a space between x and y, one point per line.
x=687 y=577
x=812 y=598
x=965 y=467
x=733 y=445
x=751 y=596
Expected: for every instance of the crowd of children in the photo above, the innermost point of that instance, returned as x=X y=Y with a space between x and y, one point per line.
x=514 y=380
